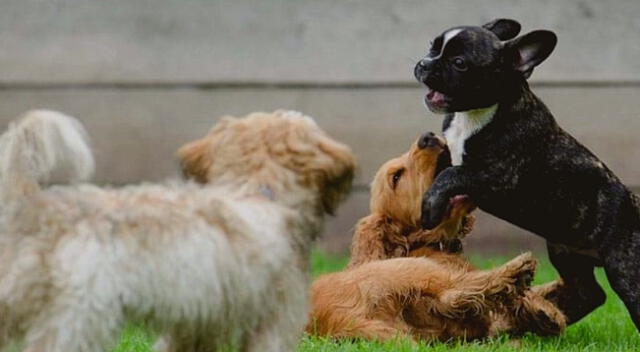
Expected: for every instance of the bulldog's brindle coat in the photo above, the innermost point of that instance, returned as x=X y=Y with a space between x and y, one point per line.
x=515 y=162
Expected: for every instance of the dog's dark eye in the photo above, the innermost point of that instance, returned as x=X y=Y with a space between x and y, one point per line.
x=396 y=177
x=459 y=64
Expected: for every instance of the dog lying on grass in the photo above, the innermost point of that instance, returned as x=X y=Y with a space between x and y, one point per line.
x=222 y=265
x=436 y=296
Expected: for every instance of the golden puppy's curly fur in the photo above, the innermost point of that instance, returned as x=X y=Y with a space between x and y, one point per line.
x=437 y=295
x=207 y=266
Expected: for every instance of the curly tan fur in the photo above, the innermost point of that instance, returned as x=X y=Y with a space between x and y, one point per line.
x=209 y=267
x=434 y=295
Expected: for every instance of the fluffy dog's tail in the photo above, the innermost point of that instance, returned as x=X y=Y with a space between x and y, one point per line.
x=42 y=147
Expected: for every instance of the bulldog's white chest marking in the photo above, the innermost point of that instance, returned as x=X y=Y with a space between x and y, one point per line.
x=464 y=125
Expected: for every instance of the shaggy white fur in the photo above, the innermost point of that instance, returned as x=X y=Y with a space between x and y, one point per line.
x=208 y=266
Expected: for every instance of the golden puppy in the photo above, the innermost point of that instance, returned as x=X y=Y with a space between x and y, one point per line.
x=436 y=297
x=224 y=265
x=392 y=229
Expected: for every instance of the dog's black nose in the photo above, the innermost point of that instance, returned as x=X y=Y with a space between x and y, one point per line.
x=421 y=70
x=428 y=140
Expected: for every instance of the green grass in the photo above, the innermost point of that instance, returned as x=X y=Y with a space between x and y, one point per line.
x=607 y=329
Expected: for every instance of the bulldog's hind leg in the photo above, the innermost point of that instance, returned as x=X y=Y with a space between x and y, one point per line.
x=577 y=293
x=623 y=272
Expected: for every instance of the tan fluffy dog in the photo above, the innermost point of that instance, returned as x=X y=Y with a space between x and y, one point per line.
x=437 y=297
x=209 y=267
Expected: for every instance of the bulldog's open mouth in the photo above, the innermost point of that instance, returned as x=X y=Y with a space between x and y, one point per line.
x=437 y=100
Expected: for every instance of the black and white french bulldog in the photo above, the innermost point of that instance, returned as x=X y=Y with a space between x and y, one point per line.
x=513 y=160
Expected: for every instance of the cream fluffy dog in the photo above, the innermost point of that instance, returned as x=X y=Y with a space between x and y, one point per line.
x=210 y=267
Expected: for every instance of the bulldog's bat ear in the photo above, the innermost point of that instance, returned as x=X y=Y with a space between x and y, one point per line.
x=531 y=49
x=503 y=28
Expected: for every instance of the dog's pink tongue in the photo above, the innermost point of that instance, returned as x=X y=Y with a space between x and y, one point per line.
x=435 y=97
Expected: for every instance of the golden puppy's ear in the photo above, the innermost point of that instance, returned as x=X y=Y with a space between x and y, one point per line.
x=196 y=159
x=376 y=237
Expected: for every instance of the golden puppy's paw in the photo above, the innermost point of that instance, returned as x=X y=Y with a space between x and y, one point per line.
x=521 y=270
x=541 y=316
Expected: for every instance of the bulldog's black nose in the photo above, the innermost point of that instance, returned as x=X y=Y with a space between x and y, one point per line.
x=421 y=70
x=428 y=140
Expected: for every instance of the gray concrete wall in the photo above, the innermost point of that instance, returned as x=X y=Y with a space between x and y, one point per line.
x=285 y=40
x=148 y=76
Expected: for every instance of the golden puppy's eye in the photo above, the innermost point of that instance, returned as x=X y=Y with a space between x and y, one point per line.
x=396 y=177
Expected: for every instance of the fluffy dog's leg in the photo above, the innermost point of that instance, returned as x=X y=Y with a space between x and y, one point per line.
x=185 y=341
x=280 y=332
x=281 y=327
x=271 y=338
x=43 y=146
x=74 y=327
